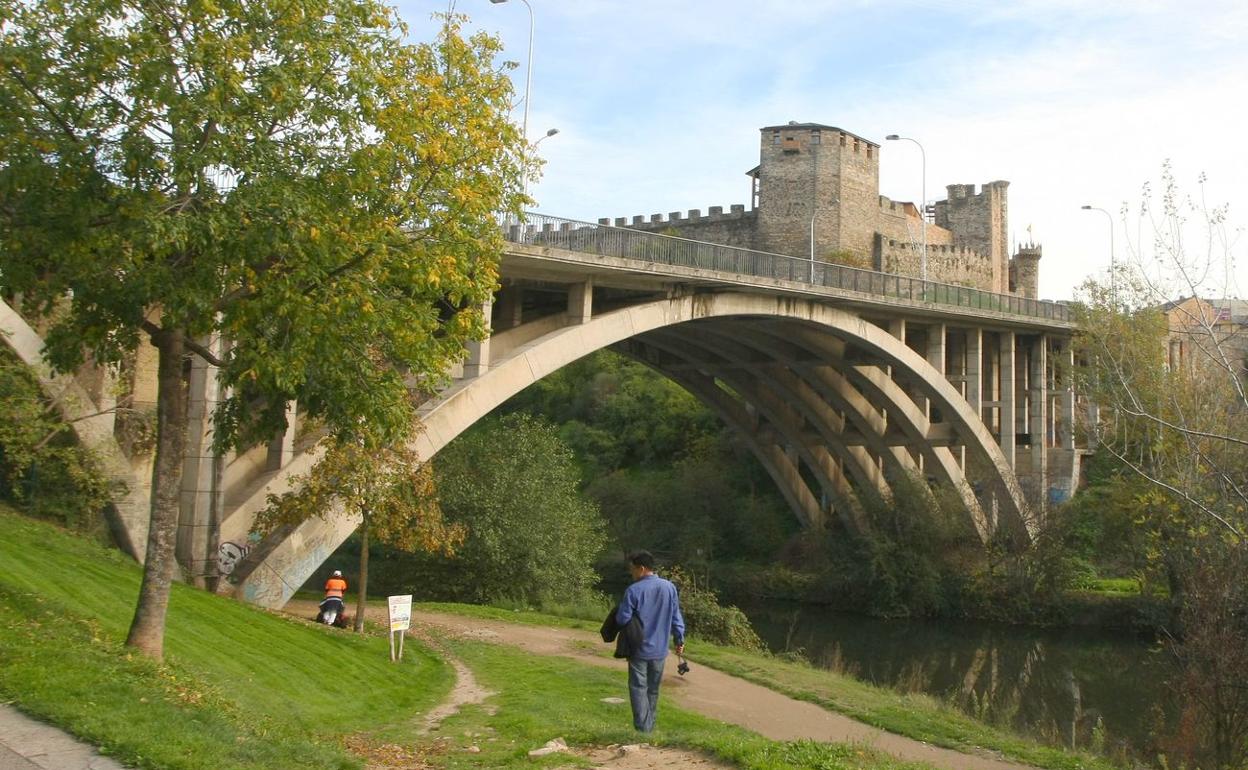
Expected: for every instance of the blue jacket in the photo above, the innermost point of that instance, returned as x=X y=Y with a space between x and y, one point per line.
x=654 y=601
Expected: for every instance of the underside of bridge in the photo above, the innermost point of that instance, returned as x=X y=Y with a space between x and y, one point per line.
x=835 y=405
x=837 y=397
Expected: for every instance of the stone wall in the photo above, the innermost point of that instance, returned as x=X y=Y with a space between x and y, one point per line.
x=956 y=265
x=1025 y=271
x=808 y=172
x=812 y=174
x=979 y=222
x=736 y=228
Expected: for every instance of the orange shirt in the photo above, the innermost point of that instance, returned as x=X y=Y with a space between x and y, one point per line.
x=335 y=587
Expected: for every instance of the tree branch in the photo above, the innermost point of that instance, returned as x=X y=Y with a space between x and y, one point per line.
x=154 y=331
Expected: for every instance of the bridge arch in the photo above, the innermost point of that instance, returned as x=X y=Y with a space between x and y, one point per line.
x=830 y=337
x=130 y=511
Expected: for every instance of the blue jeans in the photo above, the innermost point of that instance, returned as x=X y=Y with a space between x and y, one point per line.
x=644 y=677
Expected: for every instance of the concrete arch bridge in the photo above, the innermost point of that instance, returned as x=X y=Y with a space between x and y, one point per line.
x=839 y=380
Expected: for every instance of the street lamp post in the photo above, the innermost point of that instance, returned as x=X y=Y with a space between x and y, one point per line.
x=549 y=133
x=528 y=72
x=1113 y=279
x=922 y=203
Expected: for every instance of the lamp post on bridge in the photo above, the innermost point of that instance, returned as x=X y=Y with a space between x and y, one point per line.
x=528 y=72
x=1113 y=279
x=922 y=203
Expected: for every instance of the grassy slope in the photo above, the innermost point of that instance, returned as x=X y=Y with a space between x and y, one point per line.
x=915 y=716
x=240 y=688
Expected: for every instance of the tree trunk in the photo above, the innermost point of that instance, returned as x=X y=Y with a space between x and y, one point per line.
x=359 y=604
x=147 y=630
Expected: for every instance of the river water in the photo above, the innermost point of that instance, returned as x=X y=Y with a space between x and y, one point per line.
x=1076 y=688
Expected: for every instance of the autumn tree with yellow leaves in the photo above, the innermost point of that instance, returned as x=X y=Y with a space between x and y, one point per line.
x=287 y=175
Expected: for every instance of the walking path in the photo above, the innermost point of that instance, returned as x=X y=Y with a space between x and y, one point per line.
x=720 y=696
x=27 y=744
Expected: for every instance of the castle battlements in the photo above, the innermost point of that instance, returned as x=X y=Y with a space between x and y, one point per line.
x=938 y=250
x=816 y=189
x=676 y=218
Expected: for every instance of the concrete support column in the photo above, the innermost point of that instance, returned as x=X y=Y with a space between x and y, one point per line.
x=1066 y=436
x=581 y=302
x=478 y=361
x=1007 y=385
x=510 y=308
x=936 y=342
x=974 y=366
x=195 y=547
x=282 y=447
x=1038 y=421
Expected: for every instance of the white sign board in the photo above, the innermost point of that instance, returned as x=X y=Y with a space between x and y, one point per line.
x=400 y=612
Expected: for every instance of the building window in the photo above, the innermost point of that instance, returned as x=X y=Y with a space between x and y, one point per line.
x=815 y=137
x=775 y=137
x=842 y=140
x=868 y=151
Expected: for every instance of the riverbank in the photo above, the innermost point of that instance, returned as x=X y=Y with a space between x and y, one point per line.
x=243 y=688
x=918 y=718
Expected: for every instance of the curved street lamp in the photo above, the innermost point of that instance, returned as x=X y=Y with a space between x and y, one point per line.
x=922 y=203
x=1113 y=279
x=528 y=72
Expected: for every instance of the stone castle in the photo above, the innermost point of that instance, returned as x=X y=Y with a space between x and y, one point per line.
x=819 y=179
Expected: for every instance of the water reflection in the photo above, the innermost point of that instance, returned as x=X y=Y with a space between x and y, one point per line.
x=1073 y=687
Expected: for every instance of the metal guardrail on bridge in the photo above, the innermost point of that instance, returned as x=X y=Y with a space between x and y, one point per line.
x=586 y=237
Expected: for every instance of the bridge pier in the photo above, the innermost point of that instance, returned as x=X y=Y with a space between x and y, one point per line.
x=202 y=472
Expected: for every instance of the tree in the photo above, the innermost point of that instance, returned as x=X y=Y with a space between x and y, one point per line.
x=1163 y=355
x=512 y=484
x=288 y=176
x=387 y=486
x=42 y=469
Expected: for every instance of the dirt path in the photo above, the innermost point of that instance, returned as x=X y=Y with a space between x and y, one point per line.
x=720 y=696
x=468 y=692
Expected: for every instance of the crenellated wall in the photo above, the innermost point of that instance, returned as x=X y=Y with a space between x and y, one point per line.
x=737 y=228
x=1025 y=271
x=818 y=191
x=979 y=220
x=956 y=265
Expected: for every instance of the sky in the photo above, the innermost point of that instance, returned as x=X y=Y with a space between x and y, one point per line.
x=658 y=104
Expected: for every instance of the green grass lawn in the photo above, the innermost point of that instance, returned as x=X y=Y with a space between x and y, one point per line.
x=240 y=687
x=243 y=688
x=916 y=716
x=540 y=698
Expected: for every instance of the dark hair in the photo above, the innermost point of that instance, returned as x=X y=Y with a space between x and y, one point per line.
x=641 y=559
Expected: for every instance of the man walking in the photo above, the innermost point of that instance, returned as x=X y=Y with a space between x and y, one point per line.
x=654 y=602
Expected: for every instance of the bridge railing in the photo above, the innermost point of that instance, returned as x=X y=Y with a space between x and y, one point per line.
x=589 y=238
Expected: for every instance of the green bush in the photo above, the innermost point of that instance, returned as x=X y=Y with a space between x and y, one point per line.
x=710 y=620
x=531 y=535
x=43 y=471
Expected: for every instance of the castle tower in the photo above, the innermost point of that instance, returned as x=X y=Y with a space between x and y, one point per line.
x=980 y=222
x=1025 y=271
x=811 y=171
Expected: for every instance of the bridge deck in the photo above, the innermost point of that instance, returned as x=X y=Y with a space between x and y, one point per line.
x=552 y=248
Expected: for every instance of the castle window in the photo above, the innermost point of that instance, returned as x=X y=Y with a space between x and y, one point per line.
x=855 y=145
x=842 y=140
x=815 y=137
x=868 y=151
x=775 y=137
